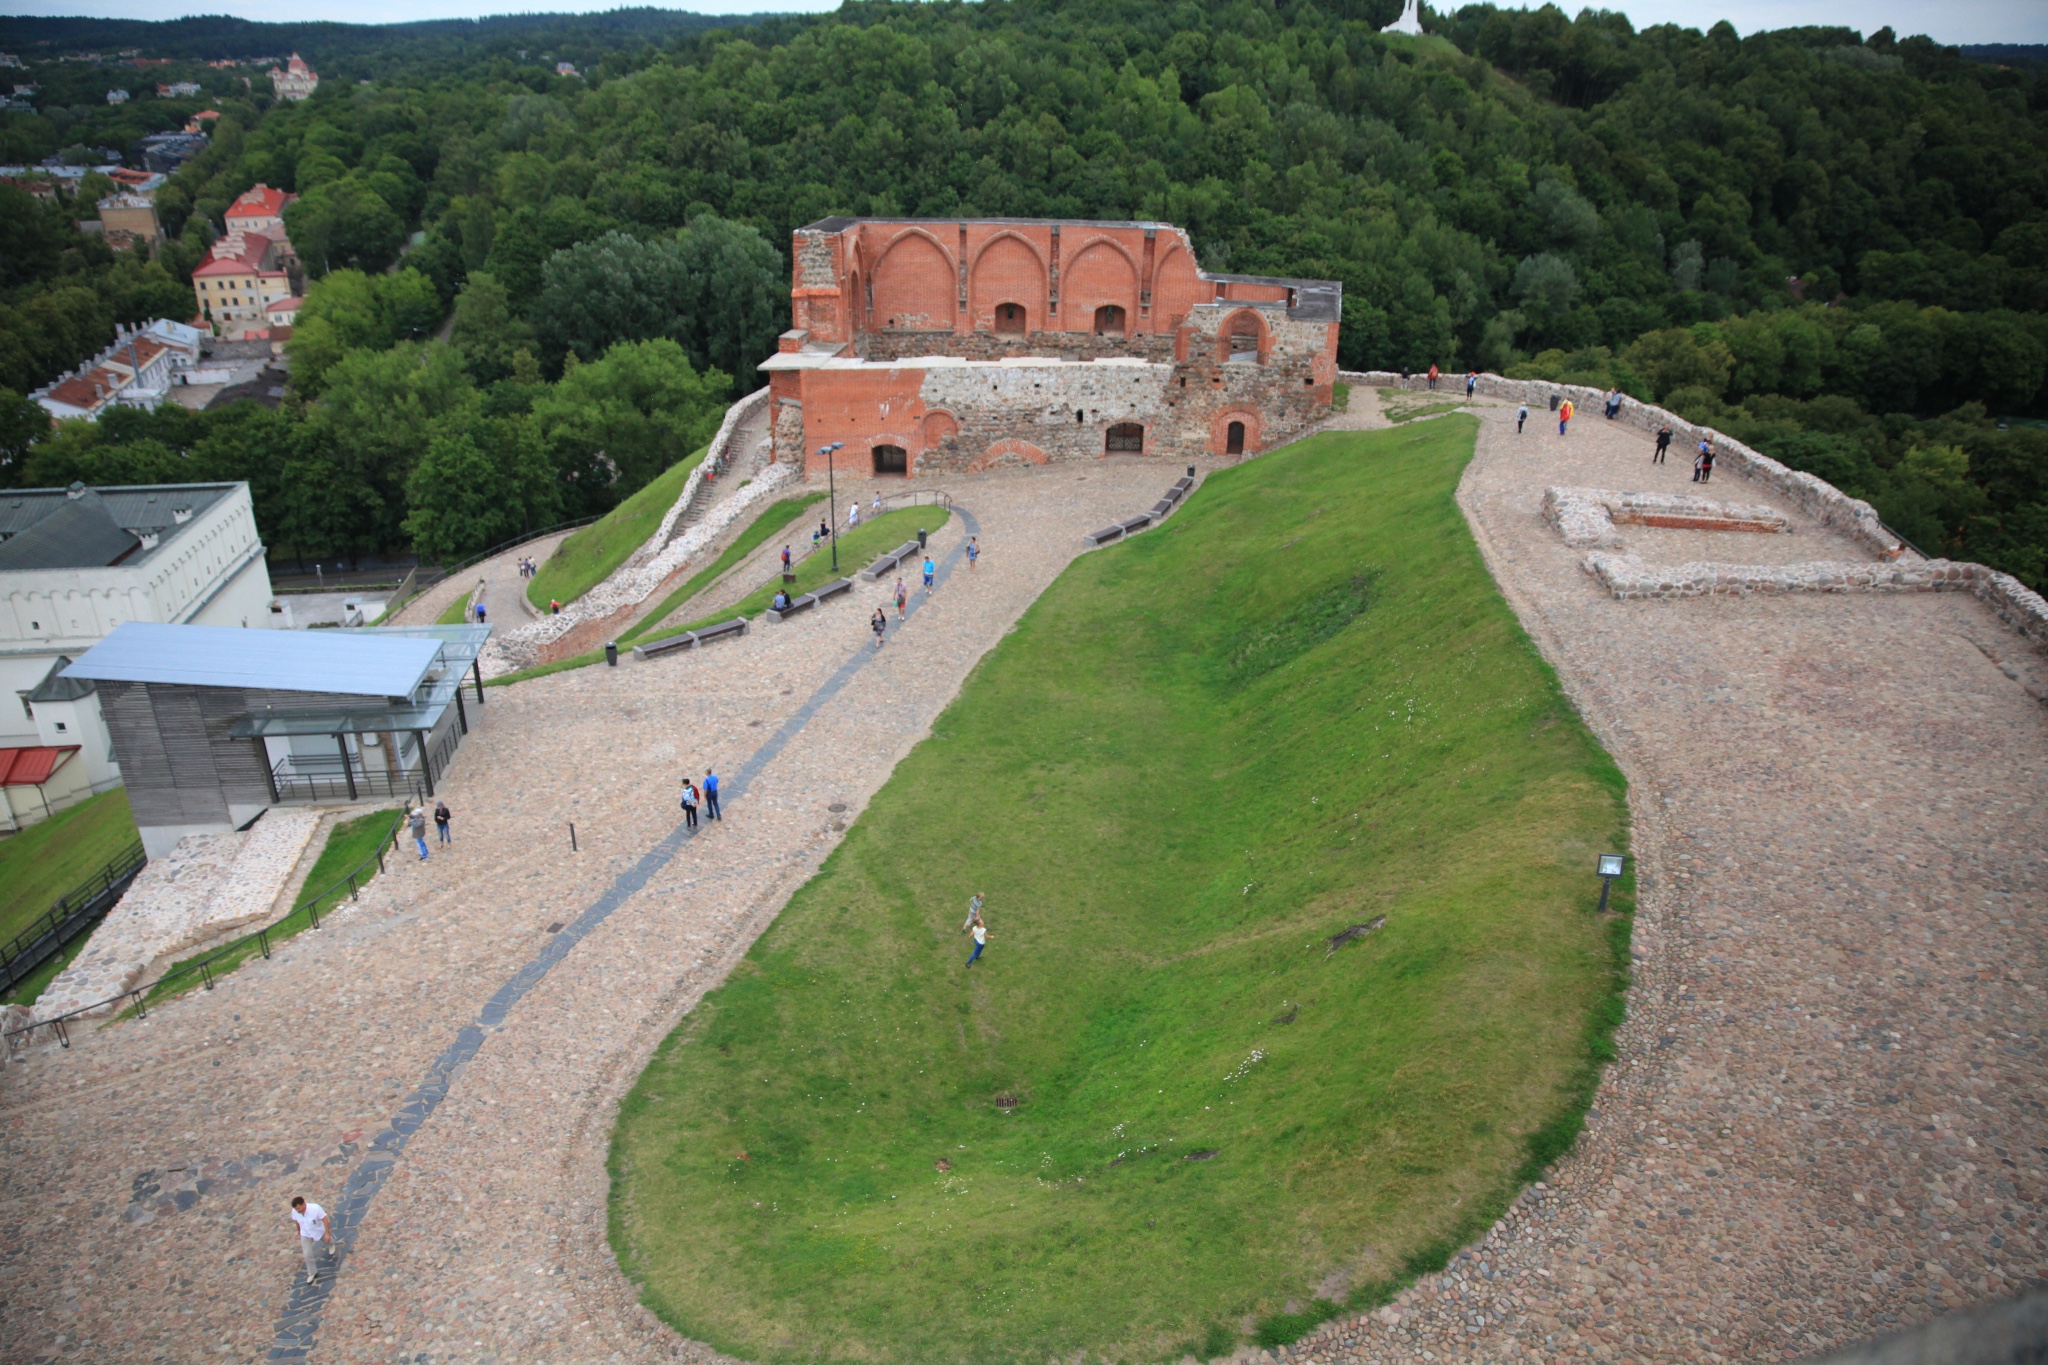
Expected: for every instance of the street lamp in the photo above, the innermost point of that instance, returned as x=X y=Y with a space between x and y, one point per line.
x=1610 y=868
x=832 y=492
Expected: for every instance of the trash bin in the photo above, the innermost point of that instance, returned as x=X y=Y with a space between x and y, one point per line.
x=920 y=537
x=1191 y=471
x=611 y=653
x=789 y=575
x=1554 y=399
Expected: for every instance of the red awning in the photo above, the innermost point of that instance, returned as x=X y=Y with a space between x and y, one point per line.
x=31 y=767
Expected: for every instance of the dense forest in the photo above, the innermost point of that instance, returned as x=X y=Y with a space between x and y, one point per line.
x=1832 y=245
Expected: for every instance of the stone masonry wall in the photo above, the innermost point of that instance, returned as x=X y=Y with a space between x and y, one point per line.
x=2011 y=600
x=997 y=345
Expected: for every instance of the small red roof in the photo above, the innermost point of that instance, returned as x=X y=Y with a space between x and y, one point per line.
x=31 y=767
x=260 y=201
x=79 y=391
x=285 y=305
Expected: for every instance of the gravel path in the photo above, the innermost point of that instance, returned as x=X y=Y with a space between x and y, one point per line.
x=1826 y=1122
x=146 y=1173
x=504 y=590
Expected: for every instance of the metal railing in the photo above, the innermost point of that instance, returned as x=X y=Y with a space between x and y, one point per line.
x=447 y=572
x=350 y=883
x=891 y=502
x=75 y=912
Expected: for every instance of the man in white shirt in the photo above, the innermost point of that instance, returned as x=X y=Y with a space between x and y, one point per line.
x=312 y=1221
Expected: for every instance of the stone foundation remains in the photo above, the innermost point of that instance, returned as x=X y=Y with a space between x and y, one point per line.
x=1586 y=517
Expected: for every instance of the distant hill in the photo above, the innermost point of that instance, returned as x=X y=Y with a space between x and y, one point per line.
x=217 y=37
x=2007 y=54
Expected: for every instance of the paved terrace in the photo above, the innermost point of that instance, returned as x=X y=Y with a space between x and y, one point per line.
x=1824 y=1122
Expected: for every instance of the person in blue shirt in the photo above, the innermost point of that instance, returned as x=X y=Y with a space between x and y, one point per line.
x=711 y=796
x=929 y=569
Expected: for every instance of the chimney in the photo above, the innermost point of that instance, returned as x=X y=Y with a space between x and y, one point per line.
x=181 y=515
x=76 y=491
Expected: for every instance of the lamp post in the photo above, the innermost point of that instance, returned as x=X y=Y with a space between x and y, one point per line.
x=1610 y=868
x=832 y=493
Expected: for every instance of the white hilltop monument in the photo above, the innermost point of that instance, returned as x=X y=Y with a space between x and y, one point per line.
x=1410 y=20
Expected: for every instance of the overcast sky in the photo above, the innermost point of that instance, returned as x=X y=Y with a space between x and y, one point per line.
x=1949 y=21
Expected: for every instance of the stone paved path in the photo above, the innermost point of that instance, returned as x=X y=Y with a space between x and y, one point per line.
x=1827 y=1118
x=146 y=1172
x=504 y=590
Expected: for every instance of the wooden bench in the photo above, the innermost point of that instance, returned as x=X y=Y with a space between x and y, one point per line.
x=1104 y=536
x=888 y=562
x=1161 y=508
x=691 y=639
x=811 y=599
x=1137 y=523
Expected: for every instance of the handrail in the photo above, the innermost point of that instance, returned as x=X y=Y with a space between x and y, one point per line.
x=18 y=1037
x=1893 y=532
x=916 y=498
x=398 y=604
x=121 y=868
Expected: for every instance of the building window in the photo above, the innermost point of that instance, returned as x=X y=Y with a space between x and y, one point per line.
x=1010 y=318
x=1109 y=320
x=1125 y=438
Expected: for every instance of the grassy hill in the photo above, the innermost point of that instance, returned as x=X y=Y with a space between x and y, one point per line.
x=589 y=555
x=1171 y=1095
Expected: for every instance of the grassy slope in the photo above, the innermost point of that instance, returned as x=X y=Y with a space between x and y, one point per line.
x=350 y=844
x=856 y=549
x=1171 y=795
x=46 y=860
x=589 y=555
x=774 y=519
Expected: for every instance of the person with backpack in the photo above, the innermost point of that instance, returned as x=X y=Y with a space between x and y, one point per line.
x=1432 y=376
x=1521 y=416
x=1471 y=384
x=1703 y=463
x=1564 y=415
x=689 y=805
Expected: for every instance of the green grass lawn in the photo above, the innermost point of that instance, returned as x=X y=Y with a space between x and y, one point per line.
x=46 y=860
x=856 y=550
x=350 y=844
x=1162 y=1102
x=457 y=612
x=588 y=556
x=778 y=517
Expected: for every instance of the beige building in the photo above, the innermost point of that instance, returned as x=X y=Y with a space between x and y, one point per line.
x=296 y=81
x=134 y=214
x=242 y=277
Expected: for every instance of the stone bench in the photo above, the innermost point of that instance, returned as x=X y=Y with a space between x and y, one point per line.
x=1104 y=536
x=811 y=599
x=691 y=639
x=1181 y=487
x=888 y=562
x=1137 y=523
x=1161 y=508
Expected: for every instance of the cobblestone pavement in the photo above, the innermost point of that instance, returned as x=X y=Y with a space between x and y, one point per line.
x=504 y=591
x=146 y=1172
x=1826 y=1122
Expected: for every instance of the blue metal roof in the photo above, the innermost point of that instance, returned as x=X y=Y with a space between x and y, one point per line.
x=347 y=662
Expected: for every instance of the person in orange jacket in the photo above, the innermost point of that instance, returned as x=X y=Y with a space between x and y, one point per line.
x=1564 y=415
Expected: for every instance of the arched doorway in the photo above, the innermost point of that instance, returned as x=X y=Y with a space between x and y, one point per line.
x=891 y=460
x=1109 y=320
x=1125 y=438
x=1010 y=318
x=1233 y=439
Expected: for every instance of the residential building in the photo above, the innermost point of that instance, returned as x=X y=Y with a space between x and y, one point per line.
x=259 y=209
x=137 y=371
x=296 y=81
x=117 y=97
x=285 y=312
x=131 y=213
x=77 y=563
x=178 y=90
x=244 y=274
x=212 y=726
x=197 y=123
x=566 y=69
x=936 y=345
x=136 y=182
x=39 y=189
x=9 y=59
x=165 y=152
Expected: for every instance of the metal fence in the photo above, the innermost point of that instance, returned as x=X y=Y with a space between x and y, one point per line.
x=348 y=884
x=74 y=913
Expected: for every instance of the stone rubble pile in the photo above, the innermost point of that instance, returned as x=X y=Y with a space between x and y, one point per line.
x=210 y=885
x=663 y=553
x=1586 y=517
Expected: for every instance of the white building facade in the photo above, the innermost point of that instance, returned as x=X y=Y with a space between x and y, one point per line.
x=77 y=562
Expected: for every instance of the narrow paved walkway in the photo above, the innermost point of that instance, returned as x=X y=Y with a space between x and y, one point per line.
x=504 y=589
x=146 y=1175
x=1826 y=1122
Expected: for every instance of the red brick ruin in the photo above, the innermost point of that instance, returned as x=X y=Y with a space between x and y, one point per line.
x=928 y=345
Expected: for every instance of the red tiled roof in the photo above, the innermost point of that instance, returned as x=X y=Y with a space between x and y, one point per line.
x=260 y=200
x=77 y=391
x=238 y=253
x=31 y=767
x=284 y=305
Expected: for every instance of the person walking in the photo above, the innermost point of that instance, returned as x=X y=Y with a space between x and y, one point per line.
x=973 y=912
x=853 y=515
x=875 y=507
x=824 y=529
x=1471 y=384
x=419 y=830
x=1564 y=415
x=711 y=795
x=902 y=599
x=785 y=559
x=689 y=805
x=480 y=614
x=1663 y=443
x=879 y=624
x=1521 y=416
x=441 y=818
x=1703 y=463
x=929 y=569
x=1432 y=376
x=313 y=1234
x=980 y=932
x=554 y=607
x=973 y=553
